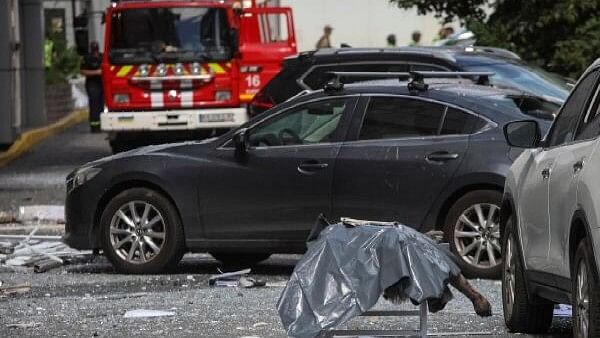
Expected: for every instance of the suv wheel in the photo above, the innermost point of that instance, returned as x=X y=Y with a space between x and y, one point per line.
x=520 y=315
x=141 y=232
x=473 y=230
x=586 y=296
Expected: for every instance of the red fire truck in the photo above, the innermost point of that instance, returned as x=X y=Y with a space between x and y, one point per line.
x=177 y=70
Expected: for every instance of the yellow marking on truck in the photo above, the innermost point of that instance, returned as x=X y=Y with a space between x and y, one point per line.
x=124 y=71
x=246 y=97
x=216 y=68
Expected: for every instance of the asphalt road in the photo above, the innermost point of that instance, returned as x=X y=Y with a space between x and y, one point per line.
x=38 y=177
x=87 y=298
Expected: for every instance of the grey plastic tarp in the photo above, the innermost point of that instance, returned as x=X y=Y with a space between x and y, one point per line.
x=346 y=269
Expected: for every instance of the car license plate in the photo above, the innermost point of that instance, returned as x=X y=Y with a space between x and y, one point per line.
x=219 y=117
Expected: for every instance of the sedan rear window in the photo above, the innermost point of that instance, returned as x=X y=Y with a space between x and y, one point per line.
x=389 y=117
x=458 y=122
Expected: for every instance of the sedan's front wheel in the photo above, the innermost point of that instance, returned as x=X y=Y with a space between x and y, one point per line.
x=473 y=231
x=141 y=232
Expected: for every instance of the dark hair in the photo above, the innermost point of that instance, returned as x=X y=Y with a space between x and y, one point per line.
x=416 y=36
x=391 y=39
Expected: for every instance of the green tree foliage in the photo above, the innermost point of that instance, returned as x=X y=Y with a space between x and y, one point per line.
x=65 y=62
x=560 y=35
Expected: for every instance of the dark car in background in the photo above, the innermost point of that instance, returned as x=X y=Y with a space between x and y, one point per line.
x=310 y=70
x=431 y=158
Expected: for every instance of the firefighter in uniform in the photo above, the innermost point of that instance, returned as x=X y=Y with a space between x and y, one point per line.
x=90 y=68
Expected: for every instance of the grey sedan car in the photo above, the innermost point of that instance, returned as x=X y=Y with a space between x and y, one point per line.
x=430 y=156
x=551 y=217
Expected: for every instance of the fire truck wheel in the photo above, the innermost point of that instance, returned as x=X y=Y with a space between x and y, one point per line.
x=141 y=232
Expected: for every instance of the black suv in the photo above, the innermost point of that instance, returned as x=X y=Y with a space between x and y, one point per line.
x=309 y=70
x=429 y=155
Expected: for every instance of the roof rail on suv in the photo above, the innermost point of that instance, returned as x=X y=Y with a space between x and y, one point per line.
x=416 y=78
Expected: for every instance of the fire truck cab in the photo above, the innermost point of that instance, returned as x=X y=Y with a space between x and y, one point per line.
x=176 y=70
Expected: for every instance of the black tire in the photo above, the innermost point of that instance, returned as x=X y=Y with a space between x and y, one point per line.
x=584 y=257
x=240 y=260
x=520 y=315
x=463 y=205
x=171 y=246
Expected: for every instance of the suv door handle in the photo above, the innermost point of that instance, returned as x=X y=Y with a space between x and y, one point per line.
x=546 y=173
x=311 y=166
x=578 y=166
x=441 y=156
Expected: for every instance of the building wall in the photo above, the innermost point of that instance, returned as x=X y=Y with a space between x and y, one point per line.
x=7 y=74
x=21 y=68
x=94 y=8
x=359 y=23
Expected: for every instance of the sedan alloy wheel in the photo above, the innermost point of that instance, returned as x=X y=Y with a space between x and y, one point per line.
x=477 y=235
x=141 y=232
x=137 y=232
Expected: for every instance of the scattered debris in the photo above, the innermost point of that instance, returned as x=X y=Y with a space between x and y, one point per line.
x=45 y=265
x=23 y=325
x=42 y=213
x=235 y=279
x=563 y=310
x=32 y=251
x=125 y=295
x=230 y=279
x=6 y=248
x=14 y=290
x=6 y=217
x=142 y=313
x=259 y=324
x=249 y=282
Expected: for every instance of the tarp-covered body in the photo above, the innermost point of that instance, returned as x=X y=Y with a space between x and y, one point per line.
x=346 y=269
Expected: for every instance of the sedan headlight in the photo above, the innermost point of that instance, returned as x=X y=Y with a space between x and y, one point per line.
x=81 y=176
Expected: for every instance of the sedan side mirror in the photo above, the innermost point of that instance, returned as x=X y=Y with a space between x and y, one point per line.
x=240 y=141
x=523 y=134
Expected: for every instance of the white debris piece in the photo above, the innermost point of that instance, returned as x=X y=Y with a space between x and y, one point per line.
x=563 y=310
x=230 y=279
x=23 y=325
x=42 y=213
x=142 y=313
x=39 y=253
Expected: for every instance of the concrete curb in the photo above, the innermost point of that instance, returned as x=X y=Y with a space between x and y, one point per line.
x=30 y=138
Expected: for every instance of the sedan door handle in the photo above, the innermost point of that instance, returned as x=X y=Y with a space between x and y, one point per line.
x=546 y=173
x=578 y=166
x=310 y=167
x=441 y=156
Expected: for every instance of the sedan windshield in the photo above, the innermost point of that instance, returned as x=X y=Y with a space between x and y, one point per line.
x=527 y=78
x=177 y=34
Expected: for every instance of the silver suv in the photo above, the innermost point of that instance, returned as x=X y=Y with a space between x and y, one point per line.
x=550 y=217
